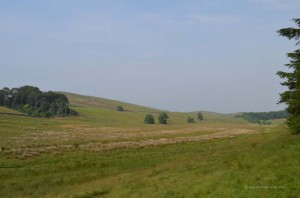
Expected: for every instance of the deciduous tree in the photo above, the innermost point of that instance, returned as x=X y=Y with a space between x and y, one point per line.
x=200 y=116
x=190 y=120
x=120 y=108
x=163 y=118
x=149 y=119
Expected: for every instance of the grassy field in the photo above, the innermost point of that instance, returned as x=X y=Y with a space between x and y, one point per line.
x=106 y=153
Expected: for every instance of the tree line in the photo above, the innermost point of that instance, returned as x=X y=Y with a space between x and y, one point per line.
x=262 y=117
x=32 y=101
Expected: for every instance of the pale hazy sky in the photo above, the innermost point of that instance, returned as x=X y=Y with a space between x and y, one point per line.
x=188 y=55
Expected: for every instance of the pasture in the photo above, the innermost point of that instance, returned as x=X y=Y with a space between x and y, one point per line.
x=104 y=152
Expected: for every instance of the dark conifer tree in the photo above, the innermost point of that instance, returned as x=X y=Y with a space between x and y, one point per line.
x=292 y=96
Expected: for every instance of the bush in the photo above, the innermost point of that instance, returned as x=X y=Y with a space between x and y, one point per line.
x=190 y=120
x=149 y=119
x=27 y=109
x=163 y=118
x=200 y=116
x=120 y=108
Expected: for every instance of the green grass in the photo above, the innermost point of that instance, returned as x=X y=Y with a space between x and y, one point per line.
x=224 y=167
x=96 y=102
x=264 y=164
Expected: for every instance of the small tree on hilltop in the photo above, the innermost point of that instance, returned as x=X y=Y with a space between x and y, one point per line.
x=149 y=119
x=190 y=120
x=200 y=116
x=120 y=108
x=163 y=118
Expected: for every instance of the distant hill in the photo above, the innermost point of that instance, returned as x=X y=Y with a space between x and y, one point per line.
x=105 y=111
x=101 y=111
x=97 y=102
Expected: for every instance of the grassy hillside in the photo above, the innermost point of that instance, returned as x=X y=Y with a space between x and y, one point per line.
x=96 y=102
x=103 y=152
x=10 y=111
x=104 y=110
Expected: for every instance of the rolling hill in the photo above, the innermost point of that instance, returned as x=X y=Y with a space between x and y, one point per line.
x=102 y=108
x=97 y=102
x=107 y=153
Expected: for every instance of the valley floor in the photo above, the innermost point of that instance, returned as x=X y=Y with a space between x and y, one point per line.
x=89 y=156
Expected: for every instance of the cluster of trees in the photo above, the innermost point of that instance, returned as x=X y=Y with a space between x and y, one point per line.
x=31 y=100
x=263 y=117
x=292 y=96
x=163 y=118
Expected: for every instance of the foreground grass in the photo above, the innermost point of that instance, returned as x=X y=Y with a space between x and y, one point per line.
x=258 y=165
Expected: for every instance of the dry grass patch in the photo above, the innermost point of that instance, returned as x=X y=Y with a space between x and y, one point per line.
x=98 y=146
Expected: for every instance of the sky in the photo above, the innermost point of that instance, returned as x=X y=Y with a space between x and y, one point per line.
x=177 y=55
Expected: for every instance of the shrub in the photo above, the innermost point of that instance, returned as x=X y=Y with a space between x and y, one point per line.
x=190 y=120
x=120 y=108
x=163 y=118
x=27 y=109
x=200 y=116
x=149 y=119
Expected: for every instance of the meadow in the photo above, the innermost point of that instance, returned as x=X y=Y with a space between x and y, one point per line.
x=107 y=153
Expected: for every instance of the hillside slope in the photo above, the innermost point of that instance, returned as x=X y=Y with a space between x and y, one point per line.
x=97 y=102
x=5 y=110
x=104 y=111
